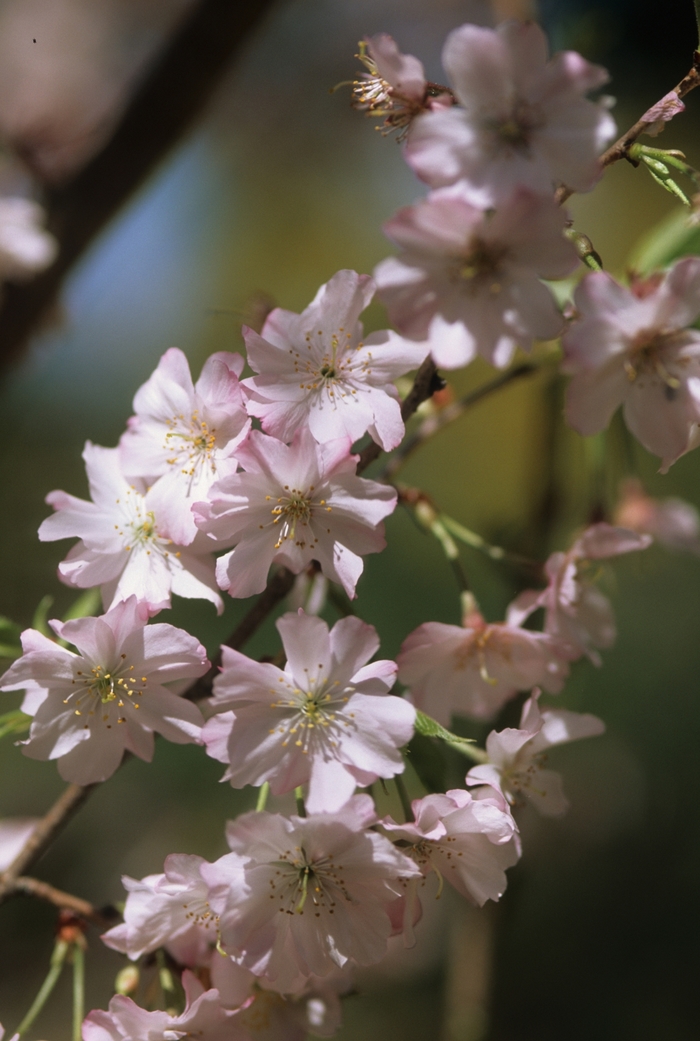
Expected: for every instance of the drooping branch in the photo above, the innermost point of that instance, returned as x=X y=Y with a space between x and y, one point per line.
x=172 y=93
x=620 y=149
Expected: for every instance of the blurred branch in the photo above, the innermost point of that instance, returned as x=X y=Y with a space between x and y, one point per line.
x=171 y=95
x=620 y=149
x=66 y=901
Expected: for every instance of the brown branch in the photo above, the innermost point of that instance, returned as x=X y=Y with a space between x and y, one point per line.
x=48 y=828
x=440 y=419
x=171 y=94
x=620 y=149
x=103 y=918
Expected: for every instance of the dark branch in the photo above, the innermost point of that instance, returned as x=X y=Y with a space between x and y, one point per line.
x=169 y=98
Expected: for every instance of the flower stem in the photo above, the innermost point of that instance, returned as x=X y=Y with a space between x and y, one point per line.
x=403 y=796
x=263 y=792
x=58 y=959
x=78 y=991
x=299 y=796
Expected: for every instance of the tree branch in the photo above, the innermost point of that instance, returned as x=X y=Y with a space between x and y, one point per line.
x=620 y=149
x=65 y=901
x=172 y=93
x=426 y=383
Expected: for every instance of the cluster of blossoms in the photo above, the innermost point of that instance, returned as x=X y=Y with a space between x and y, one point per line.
x=263 y=470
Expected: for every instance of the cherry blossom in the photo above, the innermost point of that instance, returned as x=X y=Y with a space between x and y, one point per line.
x=394 y=87
x=109 y=697
x=576 y=613
x=516 y=757
x=521 y=119
x=14 y=832
x=331 y=722
x=472 y=670
x=185 y=435
x=632 y=347
x=673 y=522
x=204 y=1018
x=302 y=896
x=466 y=839
x=124 y=546
x=662 y=113
x=25 y=248
x=15 y=1037
x=317 y=368
x=467 y=281
x=294 y=504
x=169 y=910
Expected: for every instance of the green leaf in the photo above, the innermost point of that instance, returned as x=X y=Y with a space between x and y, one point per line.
x=39 y=621
x=14 y=722
x=675 y=236
x=10 y=650
x=429 y=727
x=88 y=603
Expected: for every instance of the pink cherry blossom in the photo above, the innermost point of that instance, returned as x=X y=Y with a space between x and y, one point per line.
x=394 y=87
x=15 y=1037
x=632 y=347
x=14 y=832
x=466 y=839
x=673 y=522
x=472 y=670
x=302 y=896
x=125 y=547
x=662 y=113
x=294 y=504
x=317 y=368
x=521 y=120
x=576 y=613
x=170 y=910
x=330 y=723
x=516 y=757
x=109 y=697
x=184 y=436
x=468 y=281
x=204 y=1018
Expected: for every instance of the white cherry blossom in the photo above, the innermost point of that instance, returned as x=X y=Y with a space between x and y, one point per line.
x=294 y=504
x=516 y=757
x=125 y=547
x=318 y=368
x=467 y=281
x=672 y=521
x=14 y=832
x=632 y=347
x=110 y=696
x=302 y=896
x=521 y=120
x=25 y=248
x=327 y=720
x=184 y=435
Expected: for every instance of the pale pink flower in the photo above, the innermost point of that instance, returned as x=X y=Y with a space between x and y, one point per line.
x=124 y=546
x=673 y=522
x=317 y=369
x=662 y=113
x=330 y=723
x=15 y=1037
x=632 y=347
x=302 y=896
x=516 y=757
x=472 y=670
x=294 y=504
x=14 y=832
x=170 y=910
x=204 y=1018
x=577 y=614
x=394 y=88
x=466 y=839
x=468 y=281
x=184 y=436
x=521 y=119
x=109 y=697
x=25 y=248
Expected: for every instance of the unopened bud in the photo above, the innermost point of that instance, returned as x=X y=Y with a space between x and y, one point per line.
x=127 y=980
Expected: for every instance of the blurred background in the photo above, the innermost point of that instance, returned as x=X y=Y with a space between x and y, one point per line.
x=278 y=185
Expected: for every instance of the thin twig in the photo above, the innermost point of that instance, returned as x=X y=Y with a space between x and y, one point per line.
x=65 y=901
x=426 y=383
x=440 y=419
x=620 y=149
x=172 y=93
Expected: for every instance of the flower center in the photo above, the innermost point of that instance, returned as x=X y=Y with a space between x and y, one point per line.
x=649 y=356
x=105 y=692
x=192 y=444
x=301 y=884
x=514 y=131
x=315 y=716
x=293 y=511
x=481 y=263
